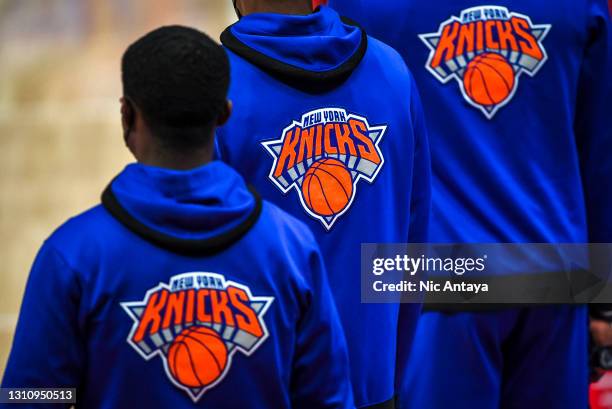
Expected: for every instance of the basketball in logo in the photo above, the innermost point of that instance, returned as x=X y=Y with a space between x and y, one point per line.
x=197 y=357
x=327 y=187
x=489 y=79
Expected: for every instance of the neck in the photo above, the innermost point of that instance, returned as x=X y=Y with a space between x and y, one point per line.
x=179 y=160
x=302 y=7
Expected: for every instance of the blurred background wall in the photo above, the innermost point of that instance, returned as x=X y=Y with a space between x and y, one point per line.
x=60 y=134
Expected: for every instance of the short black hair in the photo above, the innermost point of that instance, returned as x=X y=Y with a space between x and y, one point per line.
x=179 y=78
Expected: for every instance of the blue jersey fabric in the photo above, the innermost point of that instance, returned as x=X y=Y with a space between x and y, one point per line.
x=535 y=166
x=327 y=124
x=509 y=359
x=157 y=308
x=516 y=96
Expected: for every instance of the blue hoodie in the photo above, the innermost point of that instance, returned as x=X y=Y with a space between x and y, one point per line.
x=182 y=287
x=517 y=96
x=327 y=124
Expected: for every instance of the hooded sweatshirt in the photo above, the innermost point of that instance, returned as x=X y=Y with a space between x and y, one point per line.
x=517 y=98
x=327 y=124
x=182 y=288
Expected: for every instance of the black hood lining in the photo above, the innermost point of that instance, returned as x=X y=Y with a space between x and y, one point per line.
x=313 y=82
x=188 y=247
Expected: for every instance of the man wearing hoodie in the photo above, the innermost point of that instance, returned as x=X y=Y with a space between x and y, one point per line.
x=517 y=96
x=328 y=126
x=183 y=286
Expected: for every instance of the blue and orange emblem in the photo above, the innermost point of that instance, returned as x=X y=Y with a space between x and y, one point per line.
x=323 y=156
x=486 y=49
x=196 y=324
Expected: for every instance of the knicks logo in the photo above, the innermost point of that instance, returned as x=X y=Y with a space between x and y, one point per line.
x=196 y=324
x=486 y=49
x=322 y=157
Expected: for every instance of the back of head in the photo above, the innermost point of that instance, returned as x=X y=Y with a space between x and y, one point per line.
x=178 y=78
x=244 y=7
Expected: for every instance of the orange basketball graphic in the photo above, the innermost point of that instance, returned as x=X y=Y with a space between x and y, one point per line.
x=488 y=79
x=327 y=187
x=197 y=357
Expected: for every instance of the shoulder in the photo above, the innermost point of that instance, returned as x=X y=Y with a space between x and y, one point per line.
x=291 y=248
x=285 y=230
x=389 y=65
x=387 y=55
x=280 y=249
x=81 y=237
x=288 y=244
x=79 y=226
x=239 y=64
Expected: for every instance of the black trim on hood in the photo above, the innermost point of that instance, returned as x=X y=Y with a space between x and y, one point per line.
x=188 y=247
x=312 y=82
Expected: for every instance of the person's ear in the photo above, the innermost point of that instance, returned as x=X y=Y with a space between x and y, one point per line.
x=127 y=118
x=237 y=8
x=225 y=114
